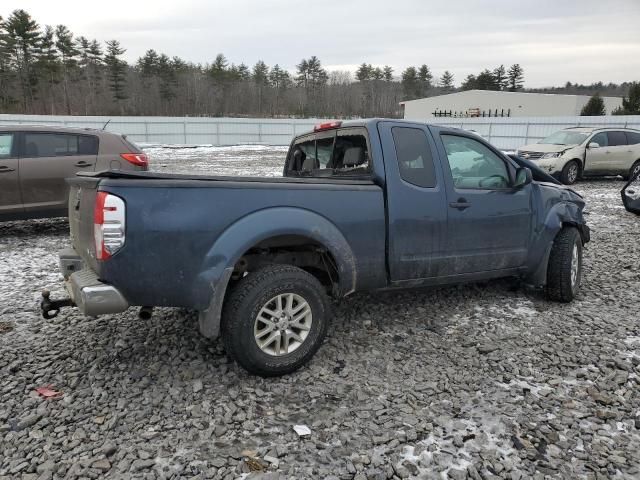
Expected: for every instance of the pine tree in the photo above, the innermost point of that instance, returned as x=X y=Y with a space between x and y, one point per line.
x=48 y=65
x=446 y=81
x=167 y=76
x=594 y=107
x=470 y=83
x=261 y=79
x=486 y=81
x=515 y=77
x=631 y=103
x=6 y=73
x=116 y=71
x=22 y=43
x=425 y=78
x=387 y=73
x=68 y=53
x=410 y=85
x=363 y=73
x=218 y=70
x=500 y=76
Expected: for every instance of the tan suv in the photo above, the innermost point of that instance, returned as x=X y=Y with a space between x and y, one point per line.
x=35 y=160
x=574 y=152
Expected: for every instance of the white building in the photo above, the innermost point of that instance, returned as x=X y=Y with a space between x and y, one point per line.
x=513 y=104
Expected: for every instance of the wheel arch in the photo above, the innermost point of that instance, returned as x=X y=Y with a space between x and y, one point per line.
x=561 y=215
x=255 y=230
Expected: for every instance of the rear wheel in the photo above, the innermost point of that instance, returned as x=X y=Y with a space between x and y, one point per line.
x=564 y=273
x=570 y=173
x=275 y=320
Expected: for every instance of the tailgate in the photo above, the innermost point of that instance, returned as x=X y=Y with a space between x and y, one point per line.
x=82 y=194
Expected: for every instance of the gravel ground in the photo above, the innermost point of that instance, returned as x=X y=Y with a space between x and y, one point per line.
x=479 y=381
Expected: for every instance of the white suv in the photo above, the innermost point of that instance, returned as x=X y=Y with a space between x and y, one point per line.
x=573 y=152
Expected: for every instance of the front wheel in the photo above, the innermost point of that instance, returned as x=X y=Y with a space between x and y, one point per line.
x=570 y=173
x=633 y=171
x=564 y=272
x=275 y=320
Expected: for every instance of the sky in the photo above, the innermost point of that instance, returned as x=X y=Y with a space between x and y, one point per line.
x=555 y=41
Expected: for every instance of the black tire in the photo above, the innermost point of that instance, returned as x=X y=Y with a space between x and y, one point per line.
x=632 y=171
x=245 y=303
x=561 y=285
x=570 y=172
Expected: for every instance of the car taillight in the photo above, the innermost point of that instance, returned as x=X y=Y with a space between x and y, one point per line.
x=138 y=159
x=108 y=225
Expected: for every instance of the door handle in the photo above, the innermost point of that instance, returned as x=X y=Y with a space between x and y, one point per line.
x=461 y=204
x=82 y=164
x=6 y=169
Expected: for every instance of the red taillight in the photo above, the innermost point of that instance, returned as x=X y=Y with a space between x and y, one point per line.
x=138 y=159
x=108 y=225
x=326 y=126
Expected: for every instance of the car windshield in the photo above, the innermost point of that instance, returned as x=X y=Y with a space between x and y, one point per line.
x=565 y=138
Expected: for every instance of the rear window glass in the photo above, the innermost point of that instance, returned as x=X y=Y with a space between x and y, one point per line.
x=59 y=144
x=414 y=157
x=343 y=152
x=616 y=138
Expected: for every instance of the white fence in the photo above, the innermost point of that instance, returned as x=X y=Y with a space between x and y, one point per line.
x=513 y=132
x=182 y=130
x=505 y=133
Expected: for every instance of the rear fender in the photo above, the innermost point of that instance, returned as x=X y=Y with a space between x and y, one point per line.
x=249 y=231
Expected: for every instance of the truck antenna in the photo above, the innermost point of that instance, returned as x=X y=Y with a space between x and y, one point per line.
x=105 y=125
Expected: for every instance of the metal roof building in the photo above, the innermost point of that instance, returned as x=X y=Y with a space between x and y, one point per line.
x=478 y=103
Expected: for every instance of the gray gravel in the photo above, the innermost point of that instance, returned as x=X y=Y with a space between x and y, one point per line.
x=479 y=381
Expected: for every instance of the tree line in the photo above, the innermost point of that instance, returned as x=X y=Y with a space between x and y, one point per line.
x=49 y=70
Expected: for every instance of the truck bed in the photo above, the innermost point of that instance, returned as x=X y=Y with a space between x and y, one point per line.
x=174 y=223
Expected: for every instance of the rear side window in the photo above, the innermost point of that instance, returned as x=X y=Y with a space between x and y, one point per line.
x=6 y=145
x=633 y=138
x=87 y=145
x=59 y=144
x=616 y=138
x=414 y=157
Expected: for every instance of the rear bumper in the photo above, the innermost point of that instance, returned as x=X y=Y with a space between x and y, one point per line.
x=92 y=296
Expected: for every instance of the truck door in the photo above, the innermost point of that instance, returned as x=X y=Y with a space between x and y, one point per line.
x=416 y=208
x=48 y=159
x=10 y=199
x=489 y=222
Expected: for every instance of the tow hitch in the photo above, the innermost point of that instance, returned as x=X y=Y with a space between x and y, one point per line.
x=51 y=308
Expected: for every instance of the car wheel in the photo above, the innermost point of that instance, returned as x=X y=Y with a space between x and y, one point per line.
x=564 y=273
x=633 y=171
x=275 y=320
x=570 y=173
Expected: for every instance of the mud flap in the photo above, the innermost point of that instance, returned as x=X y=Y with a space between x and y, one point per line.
x=631 y=194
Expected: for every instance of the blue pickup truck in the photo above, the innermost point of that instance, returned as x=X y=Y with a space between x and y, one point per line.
x=362 y=205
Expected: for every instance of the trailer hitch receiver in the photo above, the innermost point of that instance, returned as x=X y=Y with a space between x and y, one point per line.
x=51 y=308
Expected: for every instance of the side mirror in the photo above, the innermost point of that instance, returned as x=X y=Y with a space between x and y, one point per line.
x=593 y=145
x=523 y=177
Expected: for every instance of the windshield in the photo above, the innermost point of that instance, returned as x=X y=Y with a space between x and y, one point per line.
x=564 y=137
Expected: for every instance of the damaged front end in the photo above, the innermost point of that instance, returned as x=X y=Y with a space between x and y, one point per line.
x=631 y=194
